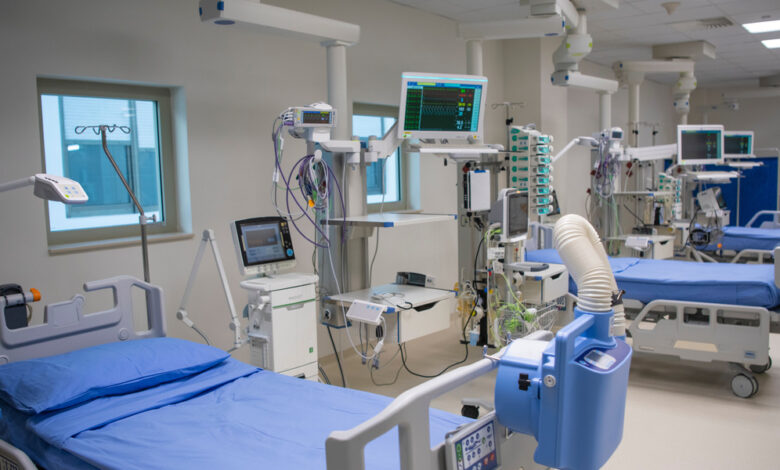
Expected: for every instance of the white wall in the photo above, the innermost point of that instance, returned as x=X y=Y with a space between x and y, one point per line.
x=235 y=82
x=756 y=114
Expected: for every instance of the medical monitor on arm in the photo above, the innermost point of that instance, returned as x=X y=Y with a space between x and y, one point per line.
x=738 y=144
x=699 y=145
x=442 y=106
x=263 y=245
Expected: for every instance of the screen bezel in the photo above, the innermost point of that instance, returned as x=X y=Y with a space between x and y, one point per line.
x=240 y=226
x=750 y=134
x=515 y=237
x=407 y=77
x=699 y=161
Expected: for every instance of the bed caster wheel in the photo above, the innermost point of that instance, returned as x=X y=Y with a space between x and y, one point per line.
x=744 y=386
x=756 y=369
x=470 y=411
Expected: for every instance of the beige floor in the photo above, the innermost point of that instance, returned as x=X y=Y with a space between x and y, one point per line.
x=679 y=415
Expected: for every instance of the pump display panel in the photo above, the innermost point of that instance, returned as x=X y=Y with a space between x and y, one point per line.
x=442 y=106
x=697 y=145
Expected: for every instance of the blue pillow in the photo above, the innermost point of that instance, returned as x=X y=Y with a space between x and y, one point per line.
x=57 y=382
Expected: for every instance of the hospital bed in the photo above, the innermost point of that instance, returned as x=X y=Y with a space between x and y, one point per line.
x=698 y=311
x=230 y=415
x=751 y=242
x=89 y=391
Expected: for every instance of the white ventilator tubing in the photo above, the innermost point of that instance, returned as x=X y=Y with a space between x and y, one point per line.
x=583 y=254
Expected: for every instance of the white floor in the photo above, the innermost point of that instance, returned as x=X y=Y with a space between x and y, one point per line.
x=679 y=415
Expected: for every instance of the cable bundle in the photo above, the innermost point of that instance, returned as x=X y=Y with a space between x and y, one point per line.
x=313 y=177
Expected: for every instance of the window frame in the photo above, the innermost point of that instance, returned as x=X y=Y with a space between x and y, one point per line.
x=163 y=96
x=380 y=110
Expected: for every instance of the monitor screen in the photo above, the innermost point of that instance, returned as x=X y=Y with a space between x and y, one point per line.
x=442 y=106
x=738 y=143
x=517 y=214
x=262 y=243
x=699 y=145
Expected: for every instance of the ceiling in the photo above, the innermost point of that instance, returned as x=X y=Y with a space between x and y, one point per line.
x=628 y=32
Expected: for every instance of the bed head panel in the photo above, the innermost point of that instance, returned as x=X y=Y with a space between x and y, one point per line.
x=67 y=328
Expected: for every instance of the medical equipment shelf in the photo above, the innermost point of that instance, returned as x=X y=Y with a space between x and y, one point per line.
x=643 y=193
x=412 y=311
x=391 y=219
x=395 y=296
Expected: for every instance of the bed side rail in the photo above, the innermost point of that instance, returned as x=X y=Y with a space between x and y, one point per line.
x=409 y=411
x=775 y=223
x=703 y=331
x=12 y=458
x=67 y=328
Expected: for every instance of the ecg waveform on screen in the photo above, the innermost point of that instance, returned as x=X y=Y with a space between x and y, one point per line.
x=440 y=108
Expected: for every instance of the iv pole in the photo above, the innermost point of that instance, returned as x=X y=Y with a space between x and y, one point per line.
x=143 y=220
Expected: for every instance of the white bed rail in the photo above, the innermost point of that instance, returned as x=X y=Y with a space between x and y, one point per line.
x=12 y=458
x=344 y=449
x=409 y=412
x=703 y=332
x=775 y=223
x=67 y=328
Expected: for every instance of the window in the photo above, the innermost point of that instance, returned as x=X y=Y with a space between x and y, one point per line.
x=384 y=178
x=144 y=156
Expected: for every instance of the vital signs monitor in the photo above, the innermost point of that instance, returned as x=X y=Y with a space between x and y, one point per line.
x=738 y=144
x=442 y=106
x=699 y=145
x=263 y=245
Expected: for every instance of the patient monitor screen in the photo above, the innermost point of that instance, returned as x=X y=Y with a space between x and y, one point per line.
x=263 y=243
x=738 y=144
x=442 y=106
x=700 y=146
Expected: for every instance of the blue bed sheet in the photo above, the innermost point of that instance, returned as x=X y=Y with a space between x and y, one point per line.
x=753 y=238
x=646 y=280
x=230 y=416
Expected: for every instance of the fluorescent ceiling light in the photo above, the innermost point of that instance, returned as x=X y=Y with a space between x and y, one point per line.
x=771 y=43
x=763 y=26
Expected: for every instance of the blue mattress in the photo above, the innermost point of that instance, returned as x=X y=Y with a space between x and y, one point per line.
x=230 y=416
x=646 y=280
x=753 y=238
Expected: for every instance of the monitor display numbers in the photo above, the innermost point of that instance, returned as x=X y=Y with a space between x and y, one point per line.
x=317 y=117
x=432 y=106
x=701 y=145
x=737 y=144
x=263 y=243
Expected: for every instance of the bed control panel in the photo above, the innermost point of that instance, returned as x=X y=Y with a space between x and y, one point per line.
x=473 y=446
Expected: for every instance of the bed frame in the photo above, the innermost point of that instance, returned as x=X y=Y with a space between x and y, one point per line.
x=67 y=328
x=750 y=255
x=699 y=331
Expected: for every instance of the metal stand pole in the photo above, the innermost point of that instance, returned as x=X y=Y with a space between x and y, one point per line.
x=142 y=217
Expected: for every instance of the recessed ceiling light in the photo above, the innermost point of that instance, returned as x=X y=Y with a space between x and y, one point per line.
x=771 y=43
x=763 y=26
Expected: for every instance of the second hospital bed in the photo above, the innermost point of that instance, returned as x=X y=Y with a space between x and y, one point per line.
x=697 y=311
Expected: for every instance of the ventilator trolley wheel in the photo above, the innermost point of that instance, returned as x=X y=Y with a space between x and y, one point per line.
x=744 y=386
